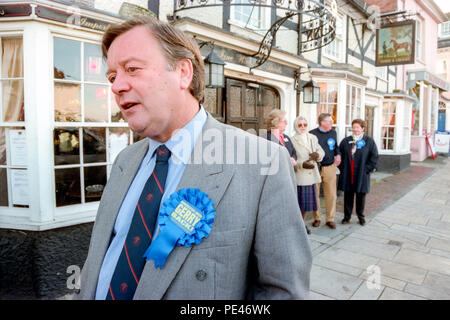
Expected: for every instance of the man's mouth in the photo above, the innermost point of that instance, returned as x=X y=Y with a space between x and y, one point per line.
x=129 y=105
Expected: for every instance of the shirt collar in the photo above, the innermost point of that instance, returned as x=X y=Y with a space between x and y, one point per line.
x=182 y=142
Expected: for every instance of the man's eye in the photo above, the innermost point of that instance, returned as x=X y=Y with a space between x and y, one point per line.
x=132 y=69
x=111 y=79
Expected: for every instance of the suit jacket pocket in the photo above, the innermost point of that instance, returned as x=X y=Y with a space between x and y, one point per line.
x=218 y=239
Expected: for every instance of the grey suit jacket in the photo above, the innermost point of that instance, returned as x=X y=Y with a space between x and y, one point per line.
x=257 y=248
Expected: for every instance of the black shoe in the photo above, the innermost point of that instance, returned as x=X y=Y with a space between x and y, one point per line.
x=307 y=230
x=345 y=221
x=362 y=222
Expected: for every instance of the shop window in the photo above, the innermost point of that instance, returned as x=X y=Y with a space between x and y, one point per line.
x=388 y=125
x=89 y=128
x=14 y=190
x=352 y=107
x=328 y=100
x=251 y=15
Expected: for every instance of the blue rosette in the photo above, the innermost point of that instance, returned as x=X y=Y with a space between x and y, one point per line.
x=360 y=144
x=185 y=219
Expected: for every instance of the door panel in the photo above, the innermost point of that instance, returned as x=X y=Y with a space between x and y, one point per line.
x=248 y=104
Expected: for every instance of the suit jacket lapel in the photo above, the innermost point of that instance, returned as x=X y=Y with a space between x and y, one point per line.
x=213 y=179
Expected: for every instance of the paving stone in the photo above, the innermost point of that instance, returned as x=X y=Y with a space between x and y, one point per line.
x=366 y=292
x=440 y=253
x=318 y=238
x=386 y=281
x=396 y=235
x=424 y=260
x=336 y=266
x=438 y=282
x=369 y=248
x=439 y=244
x=314 y=244
x=421 y=230
x=317 y=296
x=333 y=284
x=362 y=236
x=392 y=294
x=349 y=258
x=426 y=292
x=402 y=272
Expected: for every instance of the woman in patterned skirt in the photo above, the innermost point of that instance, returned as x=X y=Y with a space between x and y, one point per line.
x=309 y=153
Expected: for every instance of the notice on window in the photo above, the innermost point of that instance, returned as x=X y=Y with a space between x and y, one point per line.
x=19 y=182
x=18 y=146
x=118 y=142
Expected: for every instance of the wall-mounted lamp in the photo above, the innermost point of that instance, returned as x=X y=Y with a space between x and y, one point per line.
x=214 y=72
x=214 y=68
x=311 y=90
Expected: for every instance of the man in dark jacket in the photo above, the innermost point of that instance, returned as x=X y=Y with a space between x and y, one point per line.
x=328 y=141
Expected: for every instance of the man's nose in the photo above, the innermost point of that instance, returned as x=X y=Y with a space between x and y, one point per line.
x=120 y=85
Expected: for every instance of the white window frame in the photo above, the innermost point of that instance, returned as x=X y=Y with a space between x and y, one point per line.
x=264 y=23
x=445 y=29
x=7 y=126
x=69 y=209
x=388 y=126
x=335 y=49
x=419 y=42
x=348 y=126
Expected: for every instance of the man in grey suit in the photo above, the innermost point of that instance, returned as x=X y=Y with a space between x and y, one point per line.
x=257 y=247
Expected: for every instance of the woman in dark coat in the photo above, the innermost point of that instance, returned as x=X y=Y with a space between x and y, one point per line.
x=359 y=158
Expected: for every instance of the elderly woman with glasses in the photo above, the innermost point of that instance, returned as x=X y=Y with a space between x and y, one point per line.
x=309 y=153
x=276 y=125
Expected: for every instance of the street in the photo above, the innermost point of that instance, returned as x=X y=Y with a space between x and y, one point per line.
x=403 y=251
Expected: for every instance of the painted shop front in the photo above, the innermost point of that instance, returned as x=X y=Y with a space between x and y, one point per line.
x=427 y=87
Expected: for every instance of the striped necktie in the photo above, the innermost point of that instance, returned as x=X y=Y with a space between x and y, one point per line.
x=131 y=261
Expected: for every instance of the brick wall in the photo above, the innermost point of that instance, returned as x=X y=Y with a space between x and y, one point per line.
x=384 y=5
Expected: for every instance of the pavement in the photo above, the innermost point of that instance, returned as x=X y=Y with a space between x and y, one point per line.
x=403 y=251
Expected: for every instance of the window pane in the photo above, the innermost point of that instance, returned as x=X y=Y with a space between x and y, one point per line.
x=67 y=148
x=67 y=183
x=3 y=188
x=95 y=103
x=2 y=146
x=12 y=58
x=332 y=93
x=94 y=145
x=67 y=60
x=116 y=115
x=19 y=188
x=94 y=182
x=67 y=102
x=12 y=101
x=119 y=138
x=250 y=103
x=94 y=65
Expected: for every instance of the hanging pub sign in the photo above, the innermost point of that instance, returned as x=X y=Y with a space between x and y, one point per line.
x=395 y=44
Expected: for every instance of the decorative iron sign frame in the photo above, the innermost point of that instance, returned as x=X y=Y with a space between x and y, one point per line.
x=317 y=21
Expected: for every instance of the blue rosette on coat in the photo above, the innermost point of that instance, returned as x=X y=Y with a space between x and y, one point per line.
x=185 y=219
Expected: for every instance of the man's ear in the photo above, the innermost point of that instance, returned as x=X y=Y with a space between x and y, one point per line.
x=186 y=73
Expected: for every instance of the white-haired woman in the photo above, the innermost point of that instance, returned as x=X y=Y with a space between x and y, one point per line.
x=309 y=153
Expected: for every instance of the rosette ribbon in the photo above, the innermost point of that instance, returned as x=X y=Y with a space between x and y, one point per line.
x=185 y=218
x=331 y=143
x=360 y=143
